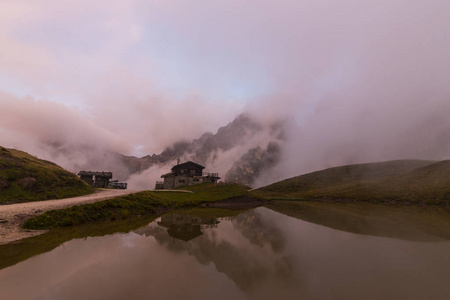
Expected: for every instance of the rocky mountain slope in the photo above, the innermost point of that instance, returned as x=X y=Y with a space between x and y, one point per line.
x=242 y=150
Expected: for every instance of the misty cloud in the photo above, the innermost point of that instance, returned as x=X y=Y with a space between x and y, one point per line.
x=351 y=81
x=52 y=131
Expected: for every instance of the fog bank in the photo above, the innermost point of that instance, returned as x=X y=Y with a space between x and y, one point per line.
x=351 y=81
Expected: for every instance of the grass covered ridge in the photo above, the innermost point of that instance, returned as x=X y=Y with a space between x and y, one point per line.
x=404 y=180
x=142 y=203
x=25 y=178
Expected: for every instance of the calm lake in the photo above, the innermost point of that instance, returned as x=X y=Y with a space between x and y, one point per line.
x=258 y=254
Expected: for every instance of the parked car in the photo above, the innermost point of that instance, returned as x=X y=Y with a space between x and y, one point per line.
x=118 y=185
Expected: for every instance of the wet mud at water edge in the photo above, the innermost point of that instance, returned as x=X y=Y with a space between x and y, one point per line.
x=257 y=254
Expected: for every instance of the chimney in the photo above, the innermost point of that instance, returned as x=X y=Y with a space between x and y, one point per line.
x=178 y=161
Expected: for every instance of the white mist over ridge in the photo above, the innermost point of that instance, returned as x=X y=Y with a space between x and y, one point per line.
x=350 y=81
x=337 y=133
x=340 y=133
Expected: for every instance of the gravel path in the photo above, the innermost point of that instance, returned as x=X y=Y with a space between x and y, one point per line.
x=13 y=216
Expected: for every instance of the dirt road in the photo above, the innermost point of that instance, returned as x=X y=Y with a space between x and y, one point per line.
x=13 y=216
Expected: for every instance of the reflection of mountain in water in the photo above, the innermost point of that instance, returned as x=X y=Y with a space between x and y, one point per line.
x=411 y=223
x=259 y=231
x=254 y=256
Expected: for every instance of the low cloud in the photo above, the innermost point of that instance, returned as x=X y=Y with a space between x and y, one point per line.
x=351 y=81
x=54 y=132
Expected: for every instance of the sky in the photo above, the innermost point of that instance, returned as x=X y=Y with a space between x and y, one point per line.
x=362 y=80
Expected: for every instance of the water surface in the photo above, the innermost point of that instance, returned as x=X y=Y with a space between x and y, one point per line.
x=259 y=254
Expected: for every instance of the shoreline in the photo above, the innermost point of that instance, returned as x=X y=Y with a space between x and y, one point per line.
x=12 y=216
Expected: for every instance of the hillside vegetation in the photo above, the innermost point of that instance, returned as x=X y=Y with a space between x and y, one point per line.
x=140 y=204
x=403 y=180
x=25 y=178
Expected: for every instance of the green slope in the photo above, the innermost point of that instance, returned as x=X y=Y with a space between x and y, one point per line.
x=404 y=180
x=25 y=178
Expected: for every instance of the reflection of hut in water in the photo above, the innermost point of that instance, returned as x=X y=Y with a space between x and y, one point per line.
x=186 y=227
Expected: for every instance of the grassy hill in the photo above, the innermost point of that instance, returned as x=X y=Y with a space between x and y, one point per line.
x=403 y=180
x=25 y=178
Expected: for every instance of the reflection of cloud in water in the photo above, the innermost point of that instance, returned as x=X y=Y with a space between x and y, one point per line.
x=314 y=262
x=114 y=267
x=249 y=258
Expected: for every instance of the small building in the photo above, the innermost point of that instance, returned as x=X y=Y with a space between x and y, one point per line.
x=188 y=173
x=96 y=179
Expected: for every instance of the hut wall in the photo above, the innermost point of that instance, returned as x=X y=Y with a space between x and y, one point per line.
x=101 y=182
x=181 y=181
x=169 y=182
x=87 y=179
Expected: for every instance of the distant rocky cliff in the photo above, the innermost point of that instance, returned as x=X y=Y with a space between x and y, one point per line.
x=248 y=147
x=253 y=163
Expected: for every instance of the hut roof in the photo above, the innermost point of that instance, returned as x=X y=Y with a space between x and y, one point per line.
x=188 y=165
x=167 y=175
